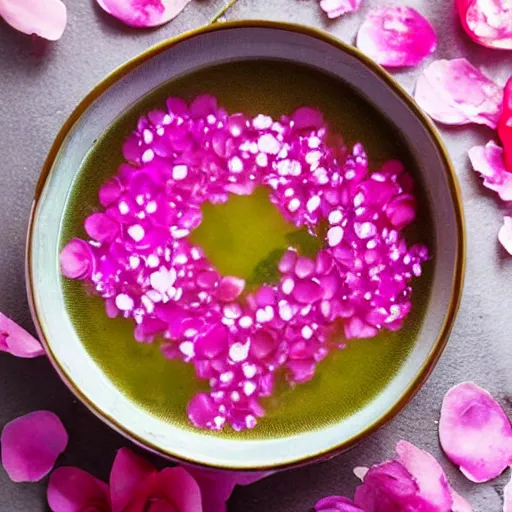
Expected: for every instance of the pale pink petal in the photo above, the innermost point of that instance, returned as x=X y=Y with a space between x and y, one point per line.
x=128 y=471
x=507 y=497
x=31 y=444
x=337 y=504
x=488 y=161
x=17 y=341
x=46 y=18
x=505 y=124
x=335 y=8
x=73 y=490
x=488 y=22
x=76 y=259
x=396 y=36
x=459 y=503
x=455 y=92
x=144 y=13
x=360 y=472
x=505 y=234
x=428 y=474
x=475 y=432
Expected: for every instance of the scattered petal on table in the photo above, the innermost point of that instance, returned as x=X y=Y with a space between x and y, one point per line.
x=505 y=124
x=459 y=503
x=46 y=18
x=144 y=13
x=31 y=444
x=335 y=8
x=455 y=92
x=474 y=430
x=505 y=234
x=396 y=36
x=488 y=161
x=507 y=497
x=73 y=490
x=489 y=23
x=17 y=341
x=337 y=504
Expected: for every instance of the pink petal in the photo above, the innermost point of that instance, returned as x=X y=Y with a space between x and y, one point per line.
x=459 y=503
x=31 y=444
x=17 y=341
x=475 y=432
x=396 y=36
x=488 y=161
x=45 y=19
x=76 y=259
x=180 y=489
x=101 y=227
x=428 y=474
x=216 y=487
x=355 y=328
x=507 y=497
x=128 y=471
x=455 y=92
x=489 y=23
x=505 y=234
x=230 y=288
x=335 y=8
x=143 y=13
x=337 y=504
x=505 y=124
x=73 y=490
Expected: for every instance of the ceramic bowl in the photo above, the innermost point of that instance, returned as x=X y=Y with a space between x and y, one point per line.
x=252 y=67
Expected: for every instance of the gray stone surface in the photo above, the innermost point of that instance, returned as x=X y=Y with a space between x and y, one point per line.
x=39 y=86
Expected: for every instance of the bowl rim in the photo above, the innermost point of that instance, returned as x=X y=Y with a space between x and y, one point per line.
x=454 y=188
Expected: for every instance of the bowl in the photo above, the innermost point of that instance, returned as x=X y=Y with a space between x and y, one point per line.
x=252 y=66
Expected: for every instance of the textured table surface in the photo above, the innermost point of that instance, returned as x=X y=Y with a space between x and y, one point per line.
x=39 y=87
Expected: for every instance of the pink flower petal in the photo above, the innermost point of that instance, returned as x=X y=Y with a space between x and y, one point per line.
x=101 y=227
x=73 y=490
x=335 y=8
x=488 y=161
x=489 y=23
x=77 y=259
x=507 y=497
x=427 y=473
x=459 y=503
x=475 y=432
x=31 y=444
x=505 y=124
x=396 y=36
x=230 y=288
x=17 y=341
x=128 y=471
x=505 y=234
x=143 y=13
x=216 y=487
x=455 y=92
x=45 y=19
x=337 y=504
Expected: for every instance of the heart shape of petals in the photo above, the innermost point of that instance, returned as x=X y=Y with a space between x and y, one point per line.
x=17 y=341
x=143 y=13
x=455 y=92
x=488 y=23
x=31 y=444
x=489 y=162
x=45 y=19
x=336 y=8
x=74 y=490
x=396 y=36
x=475 y=432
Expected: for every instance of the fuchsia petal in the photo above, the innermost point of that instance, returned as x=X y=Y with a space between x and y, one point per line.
x=427 y=473
x=455 y=92
x=216 y=488
x=180 y=490
x=488 y=161
x=505 y=123
x=31 y=444
x=128 y=471
x=507 y=497
x=144 y=13
x=336 y=8
x=46 y=18
x=396 y=36
x=17 y=341
x=337 y=504
x=73 y=490
x=489 y=23
x=475 y=432
x=76 y=259
x=505 y=234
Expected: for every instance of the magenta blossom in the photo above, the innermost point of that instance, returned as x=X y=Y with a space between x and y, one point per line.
x=44 y=18
x=17 y=341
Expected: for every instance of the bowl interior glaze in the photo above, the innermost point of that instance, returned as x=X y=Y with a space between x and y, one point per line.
x=253 y=69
